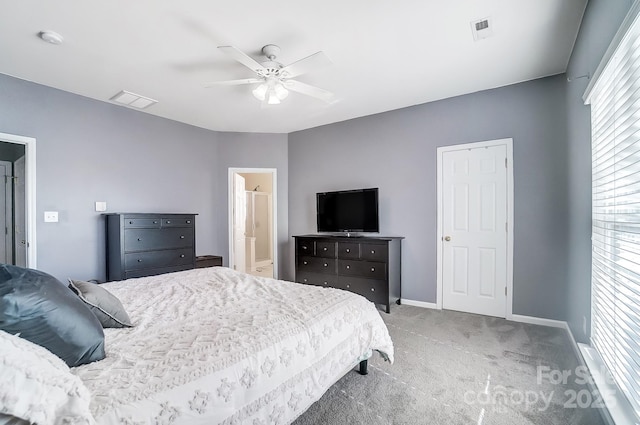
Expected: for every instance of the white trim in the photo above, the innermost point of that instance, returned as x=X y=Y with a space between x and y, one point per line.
x=274 y=218
x=574 y=343
x=539 y=321
x=510 y=216
x=581 y=356
x=618 y=407
x=30 y=189
x=422 y=304
x=632 y=15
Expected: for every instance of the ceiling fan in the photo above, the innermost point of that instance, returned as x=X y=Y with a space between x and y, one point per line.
x=274 y=78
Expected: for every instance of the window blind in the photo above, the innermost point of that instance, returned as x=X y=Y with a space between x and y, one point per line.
x=615 y=133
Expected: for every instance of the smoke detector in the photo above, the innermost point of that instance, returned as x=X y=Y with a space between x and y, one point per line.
x=482 y=28
x=51 y=37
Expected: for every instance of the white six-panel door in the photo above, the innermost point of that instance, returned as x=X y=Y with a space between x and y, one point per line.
x=474 y=230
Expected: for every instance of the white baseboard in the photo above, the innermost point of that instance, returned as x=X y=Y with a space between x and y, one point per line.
x=422 y=304
x=574 y=344
x=584 y=354
x=539 y=321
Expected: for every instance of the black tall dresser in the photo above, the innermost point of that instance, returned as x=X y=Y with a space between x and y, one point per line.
x=149 y=244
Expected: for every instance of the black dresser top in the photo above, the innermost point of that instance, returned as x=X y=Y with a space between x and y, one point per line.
x=352 y=237
x=148 y=214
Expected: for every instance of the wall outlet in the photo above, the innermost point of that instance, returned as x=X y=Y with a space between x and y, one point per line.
x=584 y=325
x=51 y=216
x=101 y=206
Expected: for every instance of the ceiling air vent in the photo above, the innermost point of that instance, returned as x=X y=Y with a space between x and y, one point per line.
x=482 y=28
x=134 y=100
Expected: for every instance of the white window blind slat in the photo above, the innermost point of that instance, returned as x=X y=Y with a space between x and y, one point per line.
x=615 y=135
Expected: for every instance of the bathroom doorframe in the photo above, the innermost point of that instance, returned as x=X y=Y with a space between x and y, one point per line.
x=274 y=211
x=30 y=192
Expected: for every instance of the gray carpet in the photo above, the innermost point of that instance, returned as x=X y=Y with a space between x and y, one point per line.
x=458 y=368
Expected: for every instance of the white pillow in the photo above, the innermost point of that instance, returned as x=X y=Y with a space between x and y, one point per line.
x=38 y=386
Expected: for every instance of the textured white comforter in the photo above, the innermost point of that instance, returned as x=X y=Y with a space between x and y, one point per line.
x=216 y=346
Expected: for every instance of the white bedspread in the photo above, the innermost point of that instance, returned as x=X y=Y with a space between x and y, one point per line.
x=216 y=346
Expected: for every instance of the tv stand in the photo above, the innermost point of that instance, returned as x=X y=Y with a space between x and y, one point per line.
x=366 y=265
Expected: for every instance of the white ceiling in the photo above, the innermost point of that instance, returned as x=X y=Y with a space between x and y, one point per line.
x=386 y=54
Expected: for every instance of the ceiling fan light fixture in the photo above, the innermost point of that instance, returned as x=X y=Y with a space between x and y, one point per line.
x=272 y=91
x=273 y=99
x=260 y=92
x=280 y=91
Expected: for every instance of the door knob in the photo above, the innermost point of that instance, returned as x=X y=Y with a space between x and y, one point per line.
x=447 y=238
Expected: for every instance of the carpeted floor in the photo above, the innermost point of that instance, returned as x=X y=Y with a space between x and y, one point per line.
x=458 y=368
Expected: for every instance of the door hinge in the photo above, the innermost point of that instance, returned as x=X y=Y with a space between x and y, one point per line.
x=505 y=291
x=506 y=226
x=505 y=163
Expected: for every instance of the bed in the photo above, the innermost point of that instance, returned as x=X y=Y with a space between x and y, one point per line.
x=215 y=346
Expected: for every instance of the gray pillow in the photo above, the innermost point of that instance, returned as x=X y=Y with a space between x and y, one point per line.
x=106 y=306
x=39 y=308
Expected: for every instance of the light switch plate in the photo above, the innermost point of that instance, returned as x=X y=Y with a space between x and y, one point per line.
x=101 y=206
x=51 y=216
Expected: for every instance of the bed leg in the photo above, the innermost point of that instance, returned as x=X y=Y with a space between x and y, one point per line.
x=363 y=367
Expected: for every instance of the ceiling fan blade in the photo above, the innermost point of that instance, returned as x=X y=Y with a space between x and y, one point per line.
x=242 y=58
x=312 y=91
x=234 y=82
x=310 y=63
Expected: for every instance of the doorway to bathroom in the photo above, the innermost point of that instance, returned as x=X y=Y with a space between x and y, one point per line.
x=252 y=221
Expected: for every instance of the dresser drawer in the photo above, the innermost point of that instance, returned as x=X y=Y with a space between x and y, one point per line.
x=317 y=279
x=373 y=252
x=154 y=239
x=366 y=269
x=155 y=259
x=349 y=250
x=305 y=246
x=374 y=290
x=133 y=223
x=317 y=264
x=326 y=249
x=152 y=272
x=177 y=222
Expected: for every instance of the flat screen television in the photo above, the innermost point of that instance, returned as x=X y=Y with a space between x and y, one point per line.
x=348 y=211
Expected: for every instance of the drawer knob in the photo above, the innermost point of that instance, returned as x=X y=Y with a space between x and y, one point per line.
x=139 y=261
x=348 y=266
x=139 y=239
x=181 y=255
x=325 y=264
x=181 y=236
x=305 y=280
x=155 y=221
x=188 y=221
x=324 y=283
x=348 y=286
x=304 y=262
x=348 y=250
x=304 y=247
x=325 y=248
x=373 y=251
x=373 y=269
x=373 y=289
x=168 y=221
x=130 y=222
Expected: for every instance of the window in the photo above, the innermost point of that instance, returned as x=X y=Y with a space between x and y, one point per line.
x=615 y=133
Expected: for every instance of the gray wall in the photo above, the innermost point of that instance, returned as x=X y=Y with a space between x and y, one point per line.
x=255 y=150
x=91 y=151
x=600 y=23
x=396 y=151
